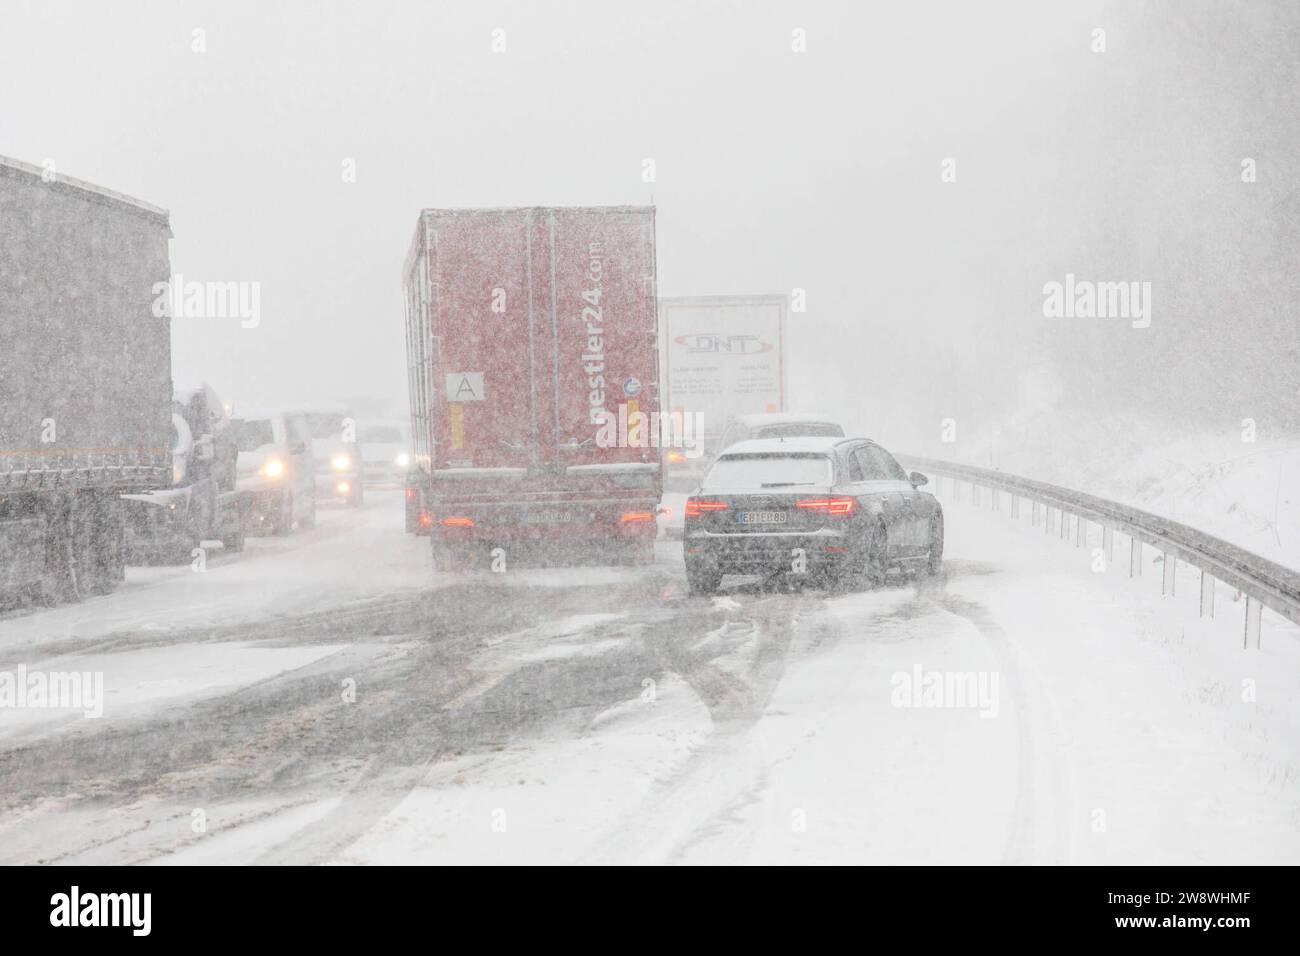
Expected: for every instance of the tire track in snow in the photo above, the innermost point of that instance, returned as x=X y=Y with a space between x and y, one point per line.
x=1043 y=811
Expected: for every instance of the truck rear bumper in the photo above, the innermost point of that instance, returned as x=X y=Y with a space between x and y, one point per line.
x=540 y=521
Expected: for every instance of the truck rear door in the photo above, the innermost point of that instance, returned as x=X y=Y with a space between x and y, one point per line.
x=604 y=365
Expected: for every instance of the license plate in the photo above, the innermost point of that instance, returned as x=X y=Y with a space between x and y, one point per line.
x=762 y=517
x=546 y=517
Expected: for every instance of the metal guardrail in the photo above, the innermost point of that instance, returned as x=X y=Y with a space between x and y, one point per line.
x=1265 y=583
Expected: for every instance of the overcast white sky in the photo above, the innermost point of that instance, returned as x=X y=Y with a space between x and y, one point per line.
x=775 y=170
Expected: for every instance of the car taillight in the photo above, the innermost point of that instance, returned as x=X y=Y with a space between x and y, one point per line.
x=458 y=521
x=832 y=506
x=695 y=507
x=674 y=457
x=410 y=493
x=630 y=516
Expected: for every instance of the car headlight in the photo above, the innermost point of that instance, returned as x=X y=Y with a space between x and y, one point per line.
x=341 y=463
x=403 y=460
x=272 y=469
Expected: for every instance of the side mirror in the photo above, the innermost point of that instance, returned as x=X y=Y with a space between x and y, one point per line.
x=916 y=478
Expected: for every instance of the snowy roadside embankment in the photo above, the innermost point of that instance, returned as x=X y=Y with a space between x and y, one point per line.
x=1238 y=484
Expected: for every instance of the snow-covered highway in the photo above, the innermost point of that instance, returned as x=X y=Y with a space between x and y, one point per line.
x=325 y=698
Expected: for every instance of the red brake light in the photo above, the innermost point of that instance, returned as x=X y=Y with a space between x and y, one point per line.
x=425 y=519
x=457 y=521
x=833 y=506
x=675 y=456
x=630 y=516
x=694 y=507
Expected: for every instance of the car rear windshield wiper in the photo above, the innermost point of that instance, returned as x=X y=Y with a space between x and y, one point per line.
x=784 y=484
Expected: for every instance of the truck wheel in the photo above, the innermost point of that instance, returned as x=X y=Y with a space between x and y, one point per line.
x=181 y=552
x=60 y=579
x=282 y=524
x=444 y=560
x=107 y=543
x=233 y=541
x=309 y=520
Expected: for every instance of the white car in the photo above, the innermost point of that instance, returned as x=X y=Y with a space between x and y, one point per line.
x=777 y=425
x=275 y=467
x=385 y=453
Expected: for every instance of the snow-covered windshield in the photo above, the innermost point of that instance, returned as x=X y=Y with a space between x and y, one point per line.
x=768 y=471
x=325 y=425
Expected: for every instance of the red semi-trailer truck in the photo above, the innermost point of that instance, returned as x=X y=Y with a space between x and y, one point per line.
x=532 y=343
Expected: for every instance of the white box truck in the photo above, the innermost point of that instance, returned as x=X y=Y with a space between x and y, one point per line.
x=724 y=356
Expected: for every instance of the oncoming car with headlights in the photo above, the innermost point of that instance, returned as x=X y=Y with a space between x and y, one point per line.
x=385 y=453
x=840 y=510
x=275 y=468
x=336 y=453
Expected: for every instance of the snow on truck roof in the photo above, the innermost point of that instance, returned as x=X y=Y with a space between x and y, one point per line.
x=437 y=212
x=787 y=446
x=90 y=191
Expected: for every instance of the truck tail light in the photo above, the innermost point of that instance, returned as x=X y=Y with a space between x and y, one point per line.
x=629 y=517
x=675 y=457
x=458 y=521
x=426 y=519
x=410 y=493
x=696 y=506
x=832 y=506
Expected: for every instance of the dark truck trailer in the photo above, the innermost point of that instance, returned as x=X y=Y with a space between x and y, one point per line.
x=85 y=378
x=532 y=339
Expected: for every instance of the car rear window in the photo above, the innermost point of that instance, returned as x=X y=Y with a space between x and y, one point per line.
x=774 y=471
x=804 y=430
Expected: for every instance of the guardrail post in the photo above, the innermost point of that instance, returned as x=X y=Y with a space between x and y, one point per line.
x=974 y=493
x=1253 y=609
x=1047 y=519
x=1207 y=594
x=993 y=498
x=1015 y=506
x=1080 y=533
x=1167 y=575
x=1108 y=543
x=1065 y=525
x=1035 y=512
x=1135 y=558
